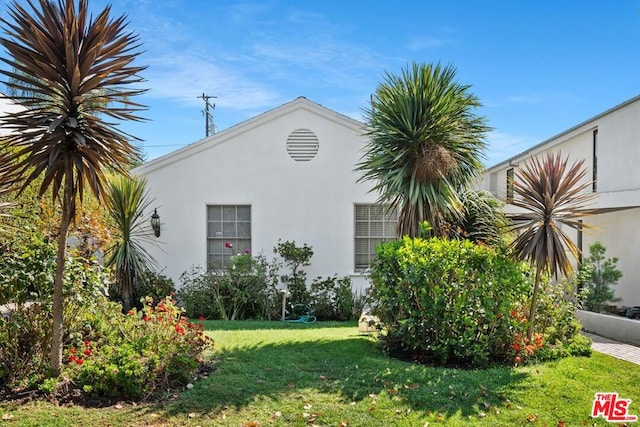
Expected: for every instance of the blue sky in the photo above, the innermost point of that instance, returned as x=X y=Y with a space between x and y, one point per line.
x=538 y=67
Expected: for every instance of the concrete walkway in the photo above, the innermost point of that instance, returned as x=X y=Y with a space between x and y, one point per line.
x=619 y=350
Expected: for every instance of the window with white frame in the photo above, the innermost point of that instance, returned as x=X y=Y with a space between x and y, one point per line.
x=228 y=233
x=374 y=224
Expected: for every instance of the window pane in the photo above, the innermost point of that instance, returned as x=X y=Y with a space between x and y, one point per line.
x=390 y=230
x=362 y=262
x=362 y=213
x=243 y=245
x=362 y=246
x=377 y=229
x=215 y=246
x=244 y=213
x=228 y=230
x=214 y=213
x=215 y=262
x=377 y=212
x=214 y=229
x=244 y=229
x=228 y=213
x=362 y=229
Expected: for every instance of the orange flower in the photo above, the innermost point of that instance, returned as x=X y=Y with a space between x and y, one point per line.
x=518 y=359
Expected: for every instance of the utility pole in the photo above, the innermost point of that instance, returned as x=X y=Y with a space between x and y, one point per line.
x=208 y=116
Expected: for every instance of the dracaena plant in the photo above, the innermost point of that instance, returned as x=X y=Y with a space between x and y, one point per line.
x=128 y=200
x=425 y=143
x=76 y=79
x=551 y=194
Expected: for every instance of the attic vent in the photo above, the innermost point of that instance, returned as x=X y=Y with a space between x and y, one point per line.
x=302 y=145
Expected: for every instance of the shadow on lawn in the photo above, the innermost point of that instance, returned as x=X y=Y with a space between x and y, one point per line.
x=351 y=368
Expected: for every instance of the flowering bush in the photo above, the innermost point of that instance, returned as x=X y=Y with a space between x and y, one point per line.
x=134 y=355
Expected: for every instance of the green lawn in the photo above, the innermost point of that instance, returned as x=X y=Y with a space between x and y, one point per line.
x=272 y=373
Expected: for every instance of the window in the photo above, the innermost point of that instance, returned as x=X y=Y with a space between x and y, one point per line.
x=227 y=225
x=594 y=178
x=509 y=185
x=373 y=224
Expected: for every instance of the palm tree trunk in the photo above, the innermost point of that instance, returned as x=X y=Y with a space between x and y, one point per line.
x=534 y=304
x=57 y=335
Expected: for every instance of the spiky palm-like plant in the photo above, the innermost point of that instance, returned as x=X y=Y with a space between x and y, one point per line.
x=73 y=70
x=552 y=194
x=127 y=201
x=482 y=219
x=425 y=143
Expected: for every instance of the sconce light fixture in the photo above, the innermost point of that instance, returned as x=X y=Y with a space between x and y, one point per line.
x=155 y=222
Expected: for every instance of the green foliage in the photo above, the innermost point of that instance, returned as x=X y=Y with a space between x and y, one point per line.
x=333 y=299
x=25 y=335
x=247 y=289
x=481 y=220
x=134 y=355
x=295 y=257
x=154 y=285
x=599 y=274
x=447 y=301
x=425 y=144
x=26 y=269
x=127 y=201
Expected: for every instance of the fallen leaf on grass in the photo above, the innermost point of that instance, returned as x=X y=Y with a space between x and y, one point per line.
x=291 y=385
x=392 y=391
x=371 y=409
x=532 y=418
x=191 y=415
x=323 y=378
x=278 y=414
x=250 y=424
x=561 y=424
x=343 y=423
x=6 y=417
x=307 y=406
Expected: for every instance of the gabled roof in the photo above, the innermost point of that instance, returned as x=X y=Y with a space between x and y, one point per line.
x=557 y=139
x=242 y=127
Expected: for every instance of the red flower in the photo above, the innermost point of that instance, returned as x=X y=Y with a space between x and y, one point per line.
x=72 y=358
x=201 y=317
x=87 y=352
x=516 y=346
x=86 y=343
x=179 y=329
x=131 y=313
x=499 y=315
x=146 y=318
x=73 y=350
x=228 y=245
x=79 y=361
x=514 y=313
x=518 y=359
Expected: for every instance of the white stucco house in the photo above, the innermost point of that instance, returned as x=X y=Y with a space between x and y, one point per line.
x=285 y=174
x=610 y=145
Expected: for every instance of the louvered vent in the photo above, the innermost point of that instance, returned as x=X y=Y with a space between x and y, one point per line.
x=302 y=145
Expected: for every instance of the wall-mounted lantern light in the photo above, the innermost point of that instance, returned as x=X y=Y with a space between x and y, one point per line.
x=155 y=222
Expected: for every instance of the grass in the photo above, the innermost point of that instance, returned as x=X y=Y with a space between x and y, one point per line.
x=281 y=374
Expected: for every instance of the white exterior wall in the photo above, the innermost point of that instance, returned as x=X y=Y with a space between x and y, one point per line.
x=309 y=202
x=618 y=186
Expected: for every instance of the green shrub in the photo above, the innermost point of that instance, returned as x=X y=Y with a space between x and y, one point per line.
x=332 y=298
x=26 y=279
x=247 y=289
x=154 y=285
x=448 y=301
x=295 y=257
x=599 y=274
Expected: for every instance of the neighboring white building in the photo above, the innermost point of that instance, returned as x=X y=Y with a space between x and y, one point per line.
x=610 y=145
x=285 y=174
